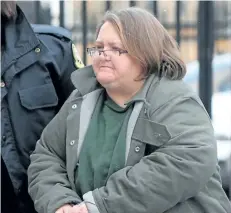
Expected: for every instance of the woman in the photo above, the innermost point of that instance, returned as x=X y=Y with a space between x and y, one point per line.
x=132 y=137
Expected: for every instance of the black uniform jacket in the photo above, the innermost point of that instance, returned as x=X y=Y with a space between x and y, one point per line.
x=35 y=81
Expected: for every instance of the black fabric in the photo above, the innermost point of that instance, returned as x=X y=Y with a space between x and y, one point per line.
x=8 y=197
x=35 y=70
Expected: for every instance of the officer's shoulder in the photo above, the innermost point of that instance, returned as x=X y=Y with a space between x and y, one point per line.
x=58 y=32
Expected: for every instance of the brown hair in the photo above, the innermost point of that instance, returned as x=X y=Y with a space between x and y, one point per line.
x=146 y=39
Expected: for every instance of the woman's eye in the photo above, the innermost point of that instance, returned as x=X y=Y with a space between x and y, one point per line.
x=116 y=48
x=99 y=48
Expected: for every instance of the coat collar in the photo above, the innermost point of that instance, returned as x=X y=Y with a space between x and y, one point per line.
x=85 y=82
x=142 y=95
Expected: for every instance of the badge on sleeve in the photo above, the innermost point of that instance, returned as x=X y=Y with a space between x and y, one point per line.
x=77 y=61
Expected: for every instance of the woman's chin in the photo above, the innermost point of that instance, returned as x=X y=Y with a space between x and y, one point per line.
x=105 y=80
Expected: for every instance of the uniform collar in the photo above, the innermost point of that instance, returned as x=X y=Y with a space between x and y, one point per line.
x=20 y=39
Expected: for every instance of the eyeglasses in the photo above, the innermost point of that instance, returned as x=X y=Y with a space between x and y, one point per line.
x=94 y=52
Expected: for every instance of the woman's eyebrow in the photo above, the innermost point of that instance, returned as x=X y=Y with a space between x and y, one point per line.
x=115 y=43
x=111 y=43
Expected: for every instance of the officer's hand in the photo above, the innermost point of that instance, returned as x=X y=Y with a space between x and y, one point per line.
x=65 y=209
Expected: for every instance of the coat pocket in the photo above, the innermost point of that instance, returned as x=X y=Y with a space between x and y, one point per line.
x=147 y=137
x=39 y=97
x=150 y=132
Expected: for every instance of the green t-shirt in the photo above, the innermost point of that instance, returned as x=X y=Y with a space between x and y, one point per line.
x=103 y=149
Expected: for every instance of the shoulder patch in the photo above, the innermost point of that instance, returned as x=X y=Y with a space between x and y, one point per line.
x=77 y=61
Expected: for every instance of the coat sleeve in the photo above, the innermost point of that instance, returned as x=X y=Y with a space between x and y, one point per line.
x=173 y=173
x=48 y=182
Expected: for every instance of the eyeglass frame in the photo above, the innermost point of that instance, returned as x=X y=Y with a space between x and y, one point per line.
x=120 y=51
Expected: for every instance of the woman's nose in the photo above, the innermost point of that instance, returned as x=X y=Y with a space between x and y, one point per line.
x=105 y=55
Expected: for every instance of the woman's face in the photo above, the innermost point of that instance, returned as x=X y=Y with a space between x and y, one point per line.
x=114 y=71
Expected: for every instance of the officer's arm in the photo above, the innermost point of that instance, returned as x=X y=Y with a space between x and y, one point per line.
x=66 y=57
x=70 y=61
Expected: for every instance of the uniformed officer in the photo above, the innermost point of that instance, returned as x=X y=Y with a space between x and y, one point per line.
x=35 y=81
